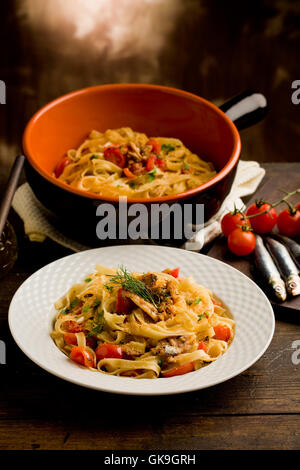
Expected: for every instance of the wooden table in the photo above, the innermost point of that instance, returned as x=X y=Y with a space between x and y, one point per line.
x=259 y=409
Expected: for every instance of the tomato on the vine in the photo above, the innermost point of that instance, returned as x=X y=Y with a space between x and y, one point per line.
x=263 y=223
x=232 y=220
x=241 y=242
x=288 y=222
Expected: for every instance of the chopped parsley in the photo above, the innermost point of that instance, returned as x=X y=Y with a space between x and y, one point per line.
x=160 y=362
x=74 y=302
x=64 y=311
x=98 y=326
x=151 y=175
x=167 y=147
x=197 y=301
x=86 y=308
x=93 y=157
x=201 y=316
x=88 y=279
x=186 y=166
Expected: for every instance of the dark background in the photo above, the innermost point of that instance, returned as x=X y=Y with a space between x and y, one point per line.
x=212 y=48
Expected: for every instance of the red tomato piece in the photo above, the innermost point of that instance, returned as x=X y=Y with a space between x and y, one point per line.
x=161 y=164
x=156 y=147
x=129 y=173
x=180 y=370
x=72 y=326
x=288 y=223
x=174 y=272
x=262 y=223
x=231 y=221
x=108 y=350
x=202 y=345
x=70 y=338
x=241 y=242
x=151 y=162
x=124 y=304
x=114 y=155
x=222 y=332
x=61 y=166
x=82 y=356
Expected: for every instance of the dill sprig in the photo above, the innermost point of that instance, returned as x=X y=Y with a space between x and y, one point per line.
x=130 y=283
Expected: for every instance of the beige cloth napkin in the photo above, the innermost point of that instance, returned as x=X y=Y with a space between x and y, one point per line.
x=38 y=226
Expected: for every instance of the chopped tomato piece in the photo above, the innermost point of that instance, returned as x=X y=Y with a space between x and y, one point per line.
x=114 y=155
x=129 y=173
x=202 y=345
x=174 y=272
x=82 y=356
x=180 y=370
x=161 y=164
x=151 y=162
x=61 y=166
x=108 y=350
x=70 y=338
x=72 y=326
x=156 y=147
x=123 y=304
x=222 y=332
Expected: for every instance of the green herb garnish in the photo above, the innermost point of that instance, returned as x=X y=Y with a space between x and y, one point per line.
x=151 y=175
x=130 y=283
x=74 y=302
x=197 y=301
x=93 y=157
x=88 y=279
x=186 y=166
x=64 y=311
x=167 y=148
x=86 y=308
x=189 y=302
x=160 y=362
x=201 y=316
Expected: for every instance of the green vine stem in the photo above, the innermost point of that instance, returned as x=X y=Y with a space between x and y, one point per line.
x=284 y=199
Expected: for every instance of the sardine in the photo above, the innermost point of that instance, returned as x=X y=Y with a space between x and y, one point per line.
x=286 y=265
x=293 y=247
x=267 y=269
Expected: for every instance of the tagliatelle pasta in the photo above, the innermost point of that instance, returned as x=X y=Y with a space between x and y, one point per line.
x=138 y=325
x=122 y=162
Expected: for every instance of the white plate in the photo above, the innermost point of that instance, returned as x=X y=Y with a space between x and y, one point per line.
x=31 y=315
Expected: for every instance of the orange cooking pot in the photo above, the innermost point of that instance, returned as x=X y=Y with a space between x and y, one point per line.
x=207 y=130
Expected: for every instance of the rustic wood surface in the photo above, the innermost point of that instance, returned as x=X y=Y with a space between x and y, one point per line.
x=215 y=49
x=259 y=409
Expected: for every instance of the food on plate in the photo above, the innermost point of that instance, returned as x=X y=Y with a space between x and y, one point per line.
x=241 y=241
x=267 y=269
x=265 y=222
x=122 y=162
x=286 y=265
x=141 y=325
x=288 y=222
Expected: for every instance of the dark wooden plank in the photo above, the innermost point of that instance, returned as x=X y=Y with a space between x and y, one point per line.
x=279 y=176
x=180 y=432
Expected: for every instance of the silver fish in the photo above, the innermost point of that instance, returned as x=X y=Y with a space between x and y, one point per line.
x=267 y=269
x=286 y=265
x=293 y=247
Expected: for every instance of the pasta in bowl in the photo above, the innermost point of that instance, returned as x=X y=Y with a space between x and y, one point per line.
x=141 y=325
x=122 y=162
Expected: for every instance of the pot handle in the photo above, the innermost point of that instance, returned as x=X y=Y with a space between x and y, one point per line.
x=246 y=109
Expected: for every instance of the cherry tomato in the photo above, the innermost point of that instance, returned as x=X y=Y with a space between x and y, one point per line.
x=288 y=223
x=82 y=356
x=202 y=345
x=72 y=326
x=241 y=242
x=161 y=164
x=151 y=162
x=175 y=272
x=61 y=166
x=108 y=350
x=231 y=221
x=70 y=338
x=222 y=332
x=129 y=173
x=262 y=223
x=180 y=370
x=156 y=147
x=123 y=304
x=114 y=155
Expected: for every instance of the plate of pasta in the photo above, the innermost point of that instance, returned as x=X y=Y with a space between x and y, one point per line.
x=141 y=320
